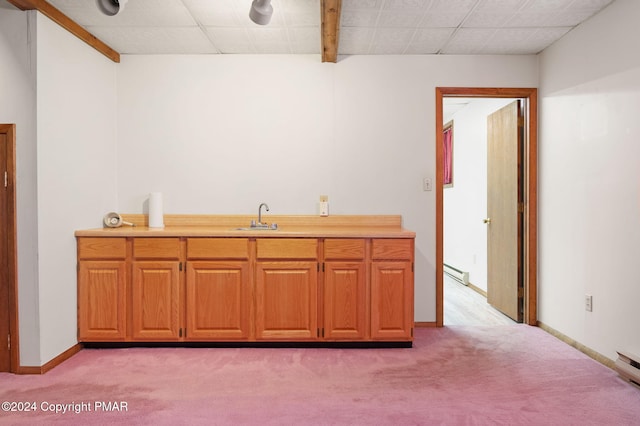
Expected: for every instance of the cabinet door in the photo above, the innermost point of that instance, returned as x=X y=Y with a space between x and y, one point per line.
x=391 y=300
x=101 y=300
x=344 y=300
x=218 y=300
x=286 y=300
x=156 y=300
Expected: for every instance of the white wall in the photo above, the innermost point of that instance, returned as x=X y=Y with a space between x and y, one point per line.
x=18 y=106
x=219 y=134
x=589 y=183
x=76 y=157
x=465 y=203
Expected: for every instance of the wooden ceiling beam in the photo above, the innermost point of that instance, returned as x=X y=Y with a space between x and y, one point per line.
x=330 y=14
x=67 y=23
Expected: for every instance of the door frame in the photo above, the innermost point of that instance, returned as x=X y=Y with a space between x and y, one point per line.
x=530 y=242
x=12 y=258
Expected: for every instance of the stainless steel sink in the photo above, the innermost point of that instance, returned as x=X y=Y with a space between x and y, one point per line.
x=272 y=227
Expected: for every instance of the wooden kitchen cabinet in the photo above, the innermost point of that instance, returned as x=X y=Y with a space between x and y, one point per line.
x=155 y=289
x=344 y=292
x=218 y=289
x=102 y=280
x=392 y=289
x=286 y=289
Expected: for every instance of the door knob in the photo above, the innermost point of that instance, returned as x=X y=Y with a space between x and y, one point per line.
x=487 y=220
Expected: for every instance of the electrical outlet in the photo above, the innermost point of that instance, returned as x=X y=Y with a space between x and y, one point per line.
x=588 y=303
x=426 y=184
x=323 y=206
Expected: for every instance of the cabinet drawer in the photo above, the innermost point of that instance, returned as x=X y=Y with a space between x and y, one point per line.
x=392 y=248
x=287 y=248
x=157 y=248
x=337 y=248
x=102 y=248
x=218 y=248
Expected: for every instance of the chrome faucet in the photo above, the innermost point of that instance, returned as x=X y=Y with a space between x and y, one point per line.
x=260 y=213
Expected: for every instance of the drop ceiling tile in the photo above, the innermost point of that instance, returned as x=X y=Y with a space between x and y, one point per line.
x=304 y=35
x=393 y=36
x=547 y=5
x=416 y=49
x=223 y=37
x=355 y=40
x=438 y=19
x=461 y=6
x=548 y=19
x=300 y=6
x=398 y=19
x=432 y=36
x=407 y=5
x=363 y=18
x=272 y=48
x=468 y=41
x=500 y=6
x=361 y=4
x=150 y=40
x=487 y=19
x=387 y=49
x=428 y=41
x=302 y=19
x=269 y=35
x=220 y=13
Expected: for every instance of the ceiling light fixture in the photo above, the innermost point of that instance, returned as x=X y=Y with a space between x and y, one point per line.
x=261 y=11
x=111 y=7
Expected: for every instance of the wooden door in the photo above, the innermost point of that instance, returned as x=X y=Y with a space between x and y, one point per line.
x=505 y=141
x=101 y=300
x=287 y=300
x=5 y=279
x=344 y=300
x=218 y=300
x=156 y=300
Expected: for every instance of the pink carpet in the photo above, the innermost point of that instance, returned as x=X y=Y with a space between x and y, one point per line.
x=457 y=375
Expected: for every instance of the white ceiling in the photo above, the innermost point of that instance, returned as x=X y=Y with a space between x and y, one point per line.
x=389 y=27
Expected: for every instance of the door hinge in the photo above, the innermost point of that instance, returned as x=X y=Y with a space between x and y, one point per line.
x=180 y=332
x=6 y=179
x=180 y=266
x=520 y=207
x=322 y=266
x=8 y=342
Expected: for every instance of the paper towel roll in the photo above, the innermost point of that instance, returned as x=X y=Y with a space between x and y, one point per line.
x=156 y=218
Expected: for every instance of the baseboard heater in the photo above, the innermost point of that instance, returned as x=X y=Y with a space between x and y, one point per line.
x=457 y=274
x=628 y=367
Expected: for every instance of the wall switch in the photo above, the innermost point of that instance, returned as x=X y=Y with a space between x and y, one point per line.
x=426 y=184
x=324 y=205
x=588 y=303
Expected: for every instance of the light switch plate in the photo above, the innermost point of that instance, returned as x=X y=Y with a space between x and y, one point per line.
x=426 y=184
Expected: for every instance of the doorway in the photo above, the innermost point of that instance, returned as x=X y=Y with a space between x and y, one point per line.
x=8 y=258
x=528 y=207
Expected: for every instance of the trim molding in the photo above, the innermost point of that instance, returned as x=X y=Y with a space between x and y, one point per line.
x=579 y=346
x=53 y=363
x=424 y=324
x=531 y=189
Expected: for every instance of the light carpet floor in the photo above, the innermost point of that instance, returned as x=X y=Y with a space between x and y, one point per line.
x=457 y=375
